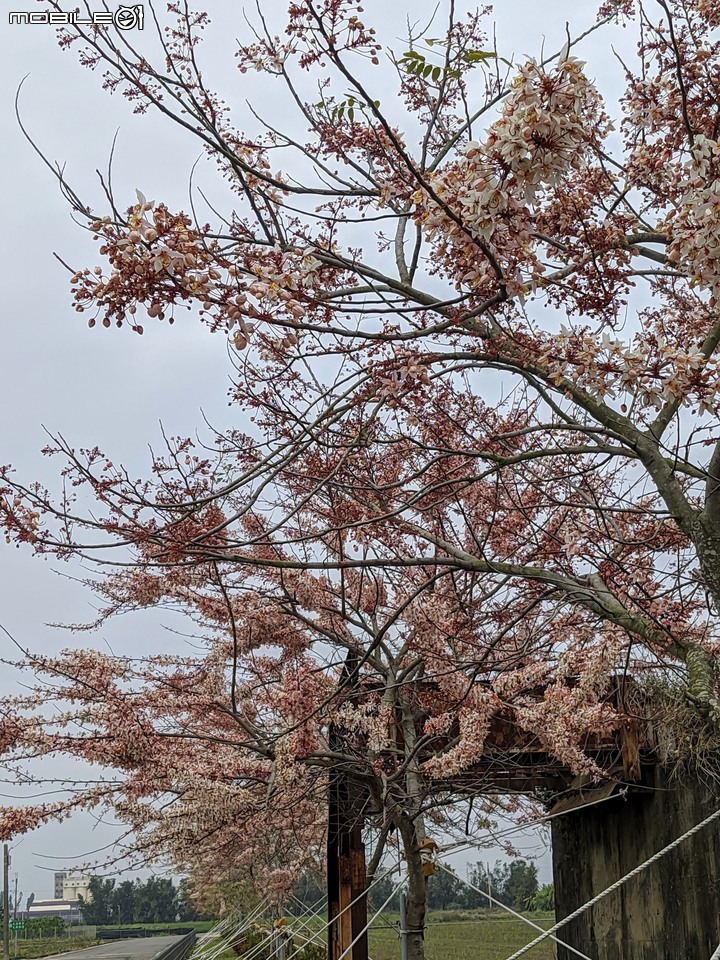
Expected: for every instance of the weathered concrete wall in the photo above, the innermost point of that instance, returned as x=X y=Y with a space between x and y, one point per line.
x=671 y=911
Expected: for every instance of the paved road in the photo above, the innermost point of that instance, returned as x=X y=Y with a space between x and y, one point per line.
x=139 y=948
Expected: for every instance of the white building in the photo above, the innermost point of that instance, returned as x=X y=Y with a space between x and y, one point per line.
x=69 y=911
x=76 y=885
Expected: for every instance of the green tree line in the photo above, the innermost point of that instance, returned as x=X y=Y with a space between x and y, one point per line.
x=156 y=900
x=514 y=884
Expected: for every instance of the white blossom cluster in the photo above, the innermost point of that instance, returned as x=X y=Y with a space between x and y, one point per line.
x=710 y=10
x=548 y=123
x=545 y=128
x=695 y=224
x=649 y=371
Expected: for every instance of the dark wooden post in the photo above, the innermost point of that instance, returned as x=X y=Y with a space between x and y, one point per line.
x=347 y=901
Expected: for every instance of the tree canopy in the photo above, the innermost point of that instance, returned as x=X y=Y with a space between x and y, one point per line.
x=472 y=469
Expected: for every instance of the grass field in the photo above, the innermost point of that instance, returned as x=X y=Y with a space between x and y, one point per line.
x=491 y=937
x=483 y=937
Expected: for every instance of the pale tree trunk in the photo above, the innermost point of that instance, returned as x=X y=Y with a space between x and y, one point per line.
x=412 y=832
x=417 y=890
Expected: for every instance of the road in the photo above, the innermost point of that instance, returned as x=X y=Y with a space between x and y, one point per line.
x=139 y=948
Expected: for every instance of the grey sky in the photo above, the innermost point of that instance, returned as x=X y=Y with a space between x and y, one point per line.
x=111 y=387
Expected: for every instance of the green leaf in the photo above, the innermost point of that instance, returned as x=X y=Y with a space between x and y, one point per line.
x=478 y=56
x=436 y=74
x=351 y=114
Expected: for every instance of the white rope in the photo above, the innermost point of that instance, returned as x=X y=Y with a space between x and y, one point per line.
x=220 y=948
x=260 y=946
x=225 y=944
x=314 y=909
x=302 y=924
x=312 y=939
x=211 y=934
x=203 y=939
x=513 y=912
x=237 y=926
x=263 y=942
x=616 y=885
x=364 y=893
x=209 y=947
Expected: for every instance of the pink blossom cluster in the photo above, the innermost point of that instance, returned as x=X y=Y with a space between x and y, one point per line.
x=156 y=258
x=159 y=259
x=329 y=26
x=710 y=11
x=474 y=722
x=548 y=122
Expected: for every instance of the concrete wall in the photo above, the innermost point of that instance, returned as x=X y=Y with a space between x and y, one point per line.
x=669 y=912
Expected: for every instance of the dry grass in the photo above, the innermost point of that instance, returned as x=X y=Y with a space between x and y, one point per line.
x=47 y=947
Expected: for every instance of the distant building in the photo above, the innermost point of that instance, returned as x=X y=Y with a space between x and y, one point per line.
x=67 y=910
x=76 y=885
x=58 y=886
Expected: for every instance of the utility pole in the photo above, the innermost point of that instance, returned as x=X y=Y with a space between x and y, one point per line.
x=15 y=900
x=403 y=926
x=6 y=902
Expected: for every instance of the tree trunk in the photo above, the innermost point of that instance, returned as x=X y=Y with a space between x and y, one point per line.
x=417 y=892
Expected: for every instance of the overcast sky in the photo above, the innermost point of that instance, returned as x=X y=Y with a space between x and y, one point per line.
x=111 y=387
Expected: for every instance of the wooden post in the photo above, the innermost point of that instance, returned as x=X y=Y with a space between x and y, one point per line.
x=358 y=894
x=347 y=901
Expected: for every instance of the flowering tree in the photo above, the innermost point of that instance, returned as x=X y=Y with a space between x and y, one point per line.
x=464 y=497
